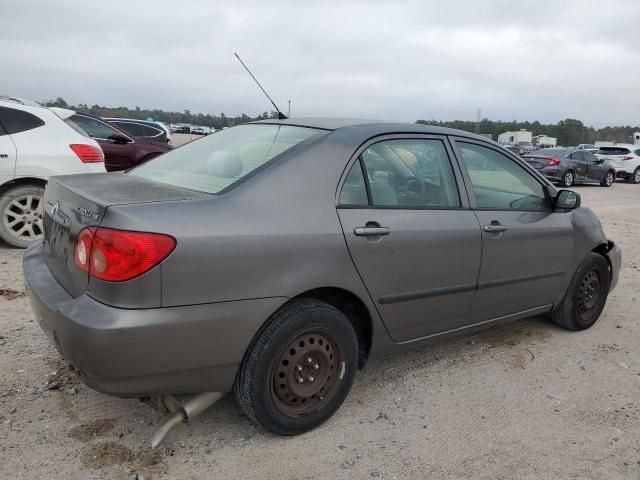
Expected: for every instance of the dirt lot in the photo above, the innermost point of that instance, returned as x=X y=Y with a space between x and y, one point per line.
x=527 y=400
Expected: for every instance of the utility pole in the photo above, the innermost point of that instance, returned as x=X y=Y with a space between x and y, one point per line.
x=289 y=109
x=478 y=120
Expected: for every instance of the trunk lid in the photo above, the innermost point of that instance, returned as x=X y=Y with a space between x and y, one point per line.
x=73 y=202
x=537 y=162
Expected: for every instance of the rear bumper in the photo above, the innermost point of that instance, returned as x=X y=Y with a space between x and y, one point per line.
x=614 y=254
x=552 y=173
x=128 y=352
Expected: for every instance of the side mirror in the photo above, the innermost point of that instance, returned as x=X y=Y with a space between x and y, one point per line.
x=119 y=138
x=599 y=161
x=567 y=200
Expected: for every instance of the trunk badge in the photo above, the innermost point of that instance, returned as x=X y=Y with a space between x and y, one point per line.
x=88 y=213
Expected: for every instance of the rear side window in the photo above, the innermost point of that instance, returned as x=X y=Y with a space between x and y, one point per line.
x=215 y=162
x=16 y=121
x=149 y=131
x=613 y=151
x=403 y=173
x=94 y=128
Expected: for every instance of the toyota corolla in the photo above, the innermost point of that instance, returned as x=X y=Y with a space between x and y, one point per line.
x=273 y=259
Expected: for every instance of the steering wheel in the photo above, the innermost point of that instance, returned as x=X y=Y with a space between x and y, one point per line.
x=410 y=190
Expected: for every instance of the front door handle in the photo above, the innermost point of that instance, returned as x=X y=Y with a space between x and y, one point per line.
x=495 y=228
x=371 y=231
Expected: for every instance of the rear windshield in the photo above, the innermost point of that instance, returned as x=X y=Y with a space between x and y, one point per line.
x=211 y=164
x=613 y=151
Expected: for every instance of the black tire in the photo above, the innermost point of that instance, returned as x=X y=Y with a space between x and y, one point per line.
x=258 y=381
x=609 y=179
x=579 y=309
x=634 y=177
x=568 y=179
x=21 y=206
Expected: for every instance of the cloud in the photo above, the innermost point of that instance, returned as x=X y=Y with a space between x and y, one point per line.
x=402 y=60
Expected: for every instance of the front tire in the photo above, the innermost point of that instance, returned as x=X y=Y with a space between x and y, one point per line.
x=634 y=177
x=299 y=368
x=568 y=179
x=586 y=295
x=609 y=179
x=22 y=215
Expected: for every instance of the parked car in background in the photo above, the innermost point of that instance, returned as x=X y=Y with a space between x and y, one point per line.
x=272 y=259
x=625 y=158
x=568 y=166
x=525 y=147
x=36 y=143
x=587 y=147
x=515 y=149
x=121 y=150
x=140 y=128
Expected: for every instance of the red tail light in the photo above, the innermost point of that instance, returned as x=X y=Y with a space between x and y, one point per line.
x=627 y=158
x=553 y=161
x=88 y=153
x=119 y=255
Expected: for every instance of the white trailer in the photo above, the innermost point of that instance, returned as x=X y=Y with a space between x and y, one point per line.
x=515 y=137
x=543 y=141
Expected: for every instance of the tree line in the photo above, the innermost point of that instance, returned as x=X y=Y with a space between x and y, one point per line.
x=568 y=132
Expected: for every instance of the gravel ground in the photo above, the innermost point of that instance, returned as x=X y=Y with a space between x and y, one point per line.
x=526 y=400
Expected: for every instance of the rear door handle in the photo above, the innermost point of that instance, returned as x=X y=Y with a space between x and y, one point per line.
x=495 y=228
x=371 y=231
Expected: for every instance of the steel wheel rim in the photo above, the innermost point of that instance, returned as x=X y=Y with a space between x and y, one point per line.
x=589 y=293
x=637 y=176
x=23 y=217
x=306 y=374
x=568 y=179
x=609 y=178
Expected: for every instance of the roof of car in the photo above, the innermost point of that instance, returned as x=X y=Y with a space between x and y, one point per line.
x=331 y=123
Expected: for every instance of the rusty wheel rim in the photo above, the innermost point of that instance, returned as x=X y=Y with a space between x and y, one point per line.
x=589 y=293
x=306 y=373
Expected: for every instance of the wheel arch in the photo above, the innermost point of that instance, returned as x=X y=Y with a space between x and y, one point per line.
x=20 y=181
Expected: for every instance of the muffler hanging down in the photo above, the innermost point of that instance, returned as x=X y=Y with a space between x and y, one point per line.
x=182 y=411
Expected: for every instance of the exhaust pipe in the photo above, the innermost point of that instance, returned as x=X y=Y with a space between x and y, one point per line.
x=183 y=411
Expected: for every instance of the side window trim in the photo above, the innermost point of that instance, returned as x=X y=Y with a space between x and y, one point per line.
x=455 y=140
x=458 y=173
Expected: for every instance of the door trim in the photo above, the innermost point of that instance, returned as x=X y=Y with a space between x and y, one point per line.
x=419 y=294
x=526 y=278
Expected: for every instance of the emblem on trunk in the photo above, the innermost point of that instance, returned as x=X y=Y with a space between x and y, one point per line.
x=55 y=208
x=87 y=213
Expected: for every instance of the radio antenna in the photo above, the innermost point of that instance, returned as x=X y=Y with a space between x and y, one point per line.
x=281 y=116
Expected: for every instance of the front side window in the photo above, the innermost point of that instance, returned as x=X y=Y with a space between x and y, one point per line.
x=215 y=162
x=94 y=128
x=410 y=173
x=499 y=182
x=16 y=121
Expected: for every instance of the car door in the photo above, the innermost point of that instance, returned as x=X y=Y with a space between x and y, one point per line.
x=411 y=235
x=595 y=168
x=8 y=155
x=526 y=246
x=580 y=165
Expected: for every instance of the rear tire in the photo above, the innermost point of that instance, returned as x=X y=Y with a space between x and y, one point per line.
x=586 y=295
x=21 y=210
x=609 y=179
x=568 y=179
x=299 y=368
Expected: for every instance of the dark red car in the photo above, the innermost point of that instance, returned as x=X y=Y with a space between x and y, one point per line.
x=121 y=150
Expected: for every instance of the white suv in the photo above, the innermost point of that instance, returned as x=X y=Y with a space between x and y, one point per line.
x=35 y=143
x=625 y=158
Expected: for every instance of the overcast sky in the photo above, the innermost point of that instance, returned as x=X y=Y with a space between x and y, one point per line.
x=400 y=60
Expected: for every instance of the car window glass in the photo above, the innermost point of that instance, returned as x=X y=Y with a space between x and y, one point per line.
x=94 y=128
x=149 y=131
x=410 y=172
x=16 y=121
x=589 y=157
x=499 y=182
x=354 y=191
x=637 y=152
x=131 y=128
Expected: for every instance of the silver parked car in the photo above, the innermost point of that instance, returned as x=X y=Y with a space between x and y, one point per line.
x=274 y=258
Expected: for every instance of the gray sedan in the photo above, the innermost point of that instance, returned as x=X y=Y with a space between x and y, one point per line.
x=567 y=166
x=274 y=259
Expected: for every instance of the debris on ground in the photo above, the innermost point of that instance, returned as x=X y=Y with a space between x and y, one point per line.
x=11 y=294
